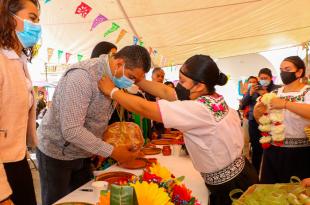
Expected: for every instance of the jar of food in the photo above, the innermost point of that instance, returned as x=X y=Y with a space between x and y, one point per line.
x=166 y=150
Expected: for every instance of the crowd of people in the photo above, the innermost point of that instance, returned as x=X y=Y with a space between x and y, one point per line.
x=71 y=129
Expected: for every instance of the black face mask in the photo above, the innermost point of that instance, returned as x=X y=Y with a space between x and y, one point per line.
x=182 y=93
x=288 y=77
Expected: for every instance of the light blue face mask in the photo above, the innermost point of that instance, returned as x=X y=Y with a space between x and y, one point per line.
x=264 y=82
x=122 y=82
x=31 y=33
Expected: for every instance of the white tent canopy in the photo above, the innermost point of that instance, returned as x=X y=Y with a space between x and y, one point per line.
x=178 y=29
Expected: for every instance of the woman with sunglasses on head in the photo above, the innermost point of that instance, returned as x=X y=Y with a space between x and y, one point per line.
x=212 y=131
x=19 y=32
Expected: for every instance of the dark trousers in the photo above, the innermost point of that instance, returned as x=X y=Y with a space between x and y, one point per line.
x=60 y=177
x=20 y=179
x=257 y=150
x=280 y=163
x=219 y=194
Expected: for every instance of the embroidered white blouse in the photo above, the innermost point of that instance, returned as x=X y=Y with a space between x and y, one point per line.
x=212 y=130
x=295 y=124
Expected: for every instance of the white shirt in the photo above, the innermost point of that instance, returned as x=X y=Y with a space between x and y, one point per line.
x=212 y=131
x=11 y=54
x=295 y=124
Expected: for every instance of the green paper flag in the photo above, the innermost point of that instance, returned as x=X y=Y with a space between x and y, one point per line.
x=60 y=52
x=79 y=57
x=111 y=30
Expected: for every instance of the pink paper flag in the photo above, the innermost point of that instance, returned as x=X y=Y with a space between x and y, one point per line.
x=98 y=20
x=83 y=9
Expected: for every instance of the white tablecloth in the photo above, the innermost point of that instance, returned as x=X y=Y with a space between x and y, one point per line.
x=178 y=165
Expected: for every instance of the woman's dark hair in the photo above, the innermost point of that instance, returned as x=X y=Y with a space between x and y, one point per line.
x=298 y=63
x=203 y=69
x=103 y=47
x=8 y=37
x=169 y=83
x=135 y=56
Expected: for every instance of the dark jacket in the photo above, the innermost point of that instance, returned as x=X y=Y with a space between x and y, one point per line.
x=251 y=100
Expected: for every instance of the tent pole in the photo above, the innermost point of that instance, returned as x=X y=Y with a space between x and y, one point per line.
x=129 y=22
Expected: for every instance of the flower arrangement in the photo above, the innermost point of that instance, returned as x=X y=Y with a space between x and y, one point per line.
x=271 y=124
x=157 y=186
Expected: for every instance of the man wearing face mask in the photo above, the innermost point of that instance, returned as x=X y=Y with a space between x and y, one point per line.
x=265 y=85
x=71 y=130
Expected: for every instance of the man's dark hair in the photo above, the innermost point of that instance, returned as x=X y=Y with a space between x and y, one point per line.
x=135 y=57
x=265 y=71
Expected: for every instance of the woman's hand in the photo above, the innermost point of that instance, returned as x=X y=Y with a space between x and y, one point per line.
x=277 y=103
x=105 y=85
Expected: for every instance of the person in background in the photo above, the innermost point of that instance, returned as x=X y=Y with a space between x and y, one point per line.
x=291 y=158
x=19 y=32
x=41 y=103
x=265 y=85
x=212 y=131
x=71 y=131
x=251 y=81
x=170 y=84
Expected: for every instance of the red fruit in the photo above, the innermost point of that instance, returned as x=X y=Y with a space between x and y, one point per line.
x=266 y=145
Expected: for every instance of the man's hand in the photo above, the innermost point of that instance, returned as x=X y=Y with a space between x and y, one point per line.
x=253 y=89
x=105 y=85
x=306 y=182
x=124 y=153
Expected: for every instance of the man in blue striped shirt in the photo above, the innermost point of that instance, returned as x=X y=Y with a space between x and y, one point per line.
x=71 y=130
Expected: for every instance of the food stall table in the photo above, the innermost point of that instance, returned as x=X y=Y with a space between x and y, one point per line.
x=178 y=165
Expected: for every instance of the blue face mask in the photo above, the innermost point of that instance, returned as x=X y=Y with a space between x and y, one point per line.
x=122 y=82
x=31 y=33
x=264 y=82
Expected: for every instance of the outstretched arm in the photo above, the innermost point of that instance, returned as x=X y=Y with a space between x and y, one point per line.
x=130 y=102
x=158 y=89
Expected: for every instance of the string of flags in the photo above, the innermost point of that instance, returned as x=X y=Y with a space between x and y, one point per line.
x=50 y=53
x=83 y=9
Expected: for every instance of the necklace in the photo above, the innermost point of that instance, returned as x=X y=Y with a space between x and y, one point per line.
x=271 y=124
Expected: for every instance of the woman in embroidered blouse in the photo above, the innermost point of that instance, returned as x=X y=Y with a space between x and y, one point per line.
x=19 y=32
x=291 y=159
x=212 y=131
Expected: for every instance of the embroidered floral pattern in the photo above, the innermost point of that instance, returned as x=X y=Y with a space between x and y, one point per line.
x=298 y=98
x=217 y=106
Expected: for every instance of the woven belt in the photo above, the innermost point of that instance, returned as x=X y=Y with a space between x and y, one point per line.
x=226 y=174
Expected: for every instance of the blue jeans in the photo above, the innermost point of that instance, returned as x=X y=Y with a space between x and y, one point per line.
x=60 y=177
